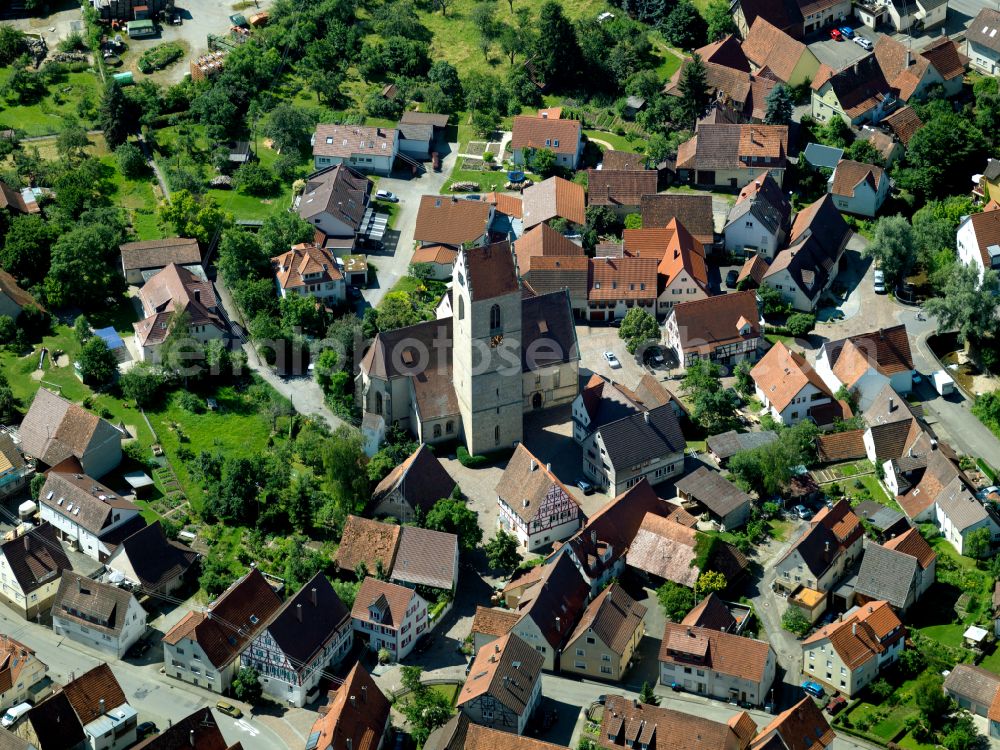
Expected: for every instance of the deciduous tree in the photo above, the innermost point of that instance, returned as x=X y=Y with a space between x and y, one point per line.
x=638 y=328
x=456 y=517
x=893 y=247
x=98 y=364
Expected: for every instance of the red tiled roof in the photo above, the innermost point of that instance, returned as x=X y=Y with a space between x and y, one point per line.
x=560 y=136
x=728 y=654
x=554 y=198
x=357 y=716
x=782 y=374
x=450 y=221
x=617 y=187
x=708 y=323
x=767 y=46
x=623 y=279
x=683 y=253
x=850 y=174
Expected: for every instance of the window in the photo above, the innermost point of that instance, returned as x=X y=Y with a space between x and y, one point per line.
x=461 y=307
x=437 y=430
x=449 y=427
x=605 y=669
x=378 y=403
x=581 y=652
x=495 y=318
x=496 y=434
x=591 y=640
x=580 y=665
x=605 y=657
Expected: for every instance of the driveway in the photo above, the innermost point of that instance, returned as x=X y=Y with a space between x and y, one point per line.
x=839 y=55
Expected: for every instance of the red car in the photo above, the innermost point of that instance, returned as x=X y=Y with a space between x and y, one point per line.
x=836 y=35
x=835 y=705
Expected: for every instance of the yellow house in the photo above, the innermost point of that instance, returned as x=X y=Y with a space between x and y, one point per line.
x=767 y=46
x=606 y=637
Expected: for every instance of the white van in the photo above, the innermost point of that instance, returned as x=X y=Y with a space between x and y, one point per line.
x=14 y=713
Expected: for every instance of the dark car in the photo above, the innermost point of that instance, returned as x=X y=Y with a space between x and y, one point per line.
x=145 y=729
x=731 y=278
x=353 y=292
x=585 y=486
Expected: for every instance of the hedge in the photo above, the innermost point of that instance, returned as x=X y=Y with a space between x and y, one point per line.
x=988 y=470
x=469 y=461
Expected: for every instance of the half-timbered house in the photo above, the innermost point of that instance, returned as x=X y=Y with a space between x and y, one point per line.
x=389 y=616
x=504 y=686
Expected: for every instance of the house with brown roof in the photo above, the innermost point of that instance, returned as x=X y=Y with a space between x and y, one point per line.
x=13 y=299
x=849 y=654
x=20 y=671
x=886 y=144
x=368 y=543
x=693 y=211
x=461 y=734
x=15 y=202
x=356 y=717
x=200 y=728
x=615 y=285
x=665 y=547
x=899 y=571
x=758 y=222
x=371 y=150
x=562 y=137
x=309 y=634
x=858 y=188
x=976 y=690
x=982 y=41
x=143 y=260
x=551 y=199
x=415 y=485
x=784 y=14
x=490 y=623
x=452 y=222
x=716 y=664
x=867 y=362
x=978 y=241
x=682 y=273
x=801 y=727
x=602 y=401
x=787 y=59
x=440 y=260
x=857 y=94
x=148 y=560
x=534 y=505
x=731 y=156
x=903 y=123
x=177 y=291
x=628 y=723
x=549 y=261
x=335 y=200
x=309 y=270
x=31 y=565
x=726 y=329
x=620 y=190
x=389 y=616
x=55 y=429
x=707 y=491
x=204 y=647
x=787 y=385
x=504 y=686
x=105 y=617
x=607 y=635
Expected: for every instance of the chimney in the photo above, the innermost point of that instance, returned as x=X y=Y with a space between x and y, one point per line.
x=496 y=648
x=100 y=703
x=525 y=503
x=645 y=417
x=298 y=611
x=677 y=253
x=909 y=58
x=354 y=702
x=364 y=693
x=350 y=743
x=854 y=628
x=593 y=536
x=933 y=445
x=534 y=465
x=27 y=543
x=545 y=115
x=191 y=738
x=79 y=587
x=892 y=404
x=826 y=546
x=312 y=596
x=558 y=624
x=548 y=467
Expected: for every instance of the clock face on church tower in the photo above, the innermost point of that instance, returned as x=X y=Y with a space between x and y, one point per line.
x=495 y=341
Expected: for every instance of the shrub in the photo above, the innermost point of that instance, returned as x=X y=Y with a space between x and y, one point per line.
x=800 y=324
x=795 y=621
x=8 y=330
x=189 y=402
x=256 y=179
x=130 y=160
x=160 y=56
x=470 y=461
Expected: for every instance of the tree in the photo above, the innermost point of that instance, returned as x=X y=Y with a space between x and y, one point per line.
x=8 y=330
x=685 y=27
x=962 y=734
x=72 y=142
x=288 y=127
x=346 y=464
x=864 y=152
x=141 y=384
x=773 y=301
x=711 y=582
x=27 y=246
x=116 y=115
x=241 y=257
x=744 y=383
x=254 y=178
x=966 y=304
x=81 y=329
x=779 y=106
x=929 y=697
x=714 y=408
x=280 y=231
x=502 y=551
x=767 y=469
x=795 y=621
x=217 y=573
x=694 y=90
x=37 y=482
x=893 y=247
x=557 y=57
x=799 y=324
x=978 y=544
x=719 y=20
x=543 y=161
x=130 y=160
x=194 y=217
x=82 y=271
x=647 y=696
x=397 y=311
x=941 y=155
x=247 y=687
x=638 y=328
x=455 y=517
x=676 y=600
x=13 y=44
x=98 y=364
x=425 y=709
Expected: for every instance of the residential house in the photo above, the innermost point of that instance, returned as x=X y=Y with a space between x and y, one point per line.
x=978 y=237
x=143 y=260
x=884 y=523
x=975 y=690
x=30 y=568
x=454 y=223
x=149 y=561
x=849 y=654
x=947 y=60
x=89 y=712
x=619 y=189
x=642 y=445
x=602 y=401
x=867 y=362
x=200 y=729
x=801 y=727
x=725 y=445
x=335 y=201
x=426 y=558
x=714 y=614
x=607 y=635
x=857 y=94
x=751 y=273
x=615 y=285
x=461 y=734
x=104 y=617
x=562 y=137
x=628 y=723
x=959 y=513
x=20 y=671
x=818 y=14
x=693 y=211
x=886 y=144
x=899 y=571
x=903 y=123
x=758 y=222
x=982 y=41
x=552 y=199
x=490 y=623
x=504 y=686
x=310 y=633
x=389 y=616
x=788 y=386
x=817 y=155
x=13 y=299
x=15 y=202
x=987 y=188
x=84 y=512
x=355 y=718
x=549 y=261
x=437 y=121
x=371 y=150
x=819 y=559
x=204 y=647
x=725 y=329
x=413 y=486
x=369 y=543
x=731 y=156
x=416 y=139
x=177 y=291
x=787 y=59
x=707 y=491
x=683 y=275
x=716 y=664
x=55 y=429
x=440 y=260
x=804 y=270
x=625 y=160
x=784 y=14
x=534 y=505
x=858 y=188
x=916 y=18
x=309 y=270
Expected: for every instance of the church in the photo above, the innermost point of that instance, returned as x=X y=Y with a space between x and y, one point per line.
x=471 y=376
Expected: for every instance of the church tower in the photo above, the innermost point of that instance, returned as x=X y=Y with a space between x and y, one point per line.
x=486 y=358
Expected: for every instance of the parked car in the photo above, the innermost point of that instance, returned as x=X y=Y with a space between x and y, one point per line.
x=145 y=729
x=847 y=31
x=612 y=360
x=813 y=688
x=652 y=356
x=987 y=491
x=353 y=292
x=836 y=705
x=585 y=486
x=802 y=512
x=602 y=699
x=13 y=714
x=731 y=278
x=836 y=36
x=385 y=195
x=864 y=43
x=878 y=282
x=228 y=709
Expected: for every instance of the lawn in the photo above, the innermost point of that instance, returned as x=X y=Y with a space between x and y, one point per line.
x=449 y=690
x=947 y=635
x=779 y=529
x=878 y=494
x=488 y=181
x=619 y=142
x=47 y=116
x=139 y=198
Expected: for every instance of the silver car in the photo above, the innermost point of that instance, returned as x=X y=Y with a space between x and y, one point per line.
x=864 y=43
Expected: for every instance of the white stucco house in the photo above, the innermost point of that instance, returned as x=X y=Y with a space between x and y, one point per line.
x=978 y=241
x=858 y=188
x=787 y=385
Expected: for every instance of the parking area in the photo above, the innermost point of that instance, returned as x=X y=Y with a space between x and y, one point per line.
x=841 y=54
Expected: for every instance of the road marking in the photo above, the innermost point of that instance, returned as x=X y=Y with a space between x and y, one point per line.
x=246 y=727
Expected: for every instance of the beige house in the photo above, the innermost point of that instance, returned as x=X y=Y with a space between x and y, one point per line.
x=849 y=654
x=30 y=569
x=310 y=271
x=606 y=636
x=791 y=61
x=20 y=670
x=413 y=486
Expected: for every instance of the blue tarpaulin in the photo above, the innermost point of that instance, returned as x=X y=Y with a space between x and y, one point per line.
x=111 y=338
